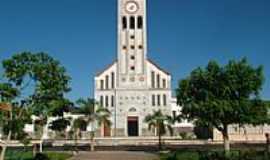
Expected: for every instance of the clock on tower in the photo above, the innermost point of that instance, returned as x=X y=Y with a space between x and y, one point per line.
x=132 y=7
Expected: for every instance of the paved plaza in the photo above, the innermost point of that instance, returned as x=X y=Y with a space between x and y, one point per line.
x=115 y=156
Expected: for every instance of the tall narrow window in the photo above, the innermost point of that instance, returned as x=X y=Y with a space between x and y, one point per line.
x=164 y=100
x=158 y=81
x=113 y=81
x=107 y=101
x=112 y=101
x=101 y=84
x=153 y=79
x=164 y=83
x=101 y=101
x=174 y=114
x=158 y=100
x=107 y=82
x=132 y=22
x=124 y=22
x=140 y=22
x=153 y=100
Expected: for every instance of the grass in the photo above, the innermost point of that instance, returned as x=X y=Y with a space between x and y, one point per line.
x=180 y=155
x=204 y=155
x=27 y=155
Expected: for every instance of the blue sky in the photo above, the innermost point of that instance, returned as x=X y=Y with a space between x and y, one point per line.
x=183 y=34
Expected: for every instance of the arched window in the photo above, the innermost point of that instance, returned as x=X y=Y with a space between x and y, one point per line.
x=101 y=101
x=107 y=101
x=164 y=83
x=158 y=100
x=112 y=80
x=140 y=22
x=101 y=84
x=164 y=100
x=158 y=81
x=153 y=79
x=124 y=22
x=112 y=101
x=153 y=100
x=132 y=22
x=107 y=82
x=132 y=110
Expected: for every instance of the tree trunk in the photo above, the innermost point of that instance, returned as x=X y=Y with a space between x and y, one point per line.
x=34 y=150
x=267 y=135
x=4 y=148
x=92 y=145
x=226 y=139
x=40 y=146
x=159 y=139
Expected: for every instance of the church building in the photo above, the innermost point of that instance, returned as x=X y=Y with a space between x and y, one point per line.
x=133 y=86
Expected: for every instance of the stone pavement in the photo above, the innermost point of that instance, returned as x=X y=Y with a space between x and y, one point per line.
x=115 y=155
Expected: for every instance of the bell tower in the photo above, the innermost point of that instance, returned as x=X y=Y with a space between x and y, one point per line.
x=132 y=41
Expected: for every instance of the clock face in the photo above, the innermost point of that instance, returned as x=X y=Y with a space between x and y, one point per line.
x=132 y=7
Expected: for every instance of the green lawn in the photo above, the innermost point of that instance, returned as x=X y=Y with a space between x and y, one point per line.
x=20 y=155
x=214 y=155
x=180 y=155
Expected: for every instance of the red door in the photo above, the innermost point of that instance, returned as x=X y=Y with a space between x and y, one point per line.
x=107 y=130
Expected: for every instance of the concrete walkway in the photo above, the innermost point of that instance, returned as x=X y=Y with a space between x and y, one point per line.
x=115 y=155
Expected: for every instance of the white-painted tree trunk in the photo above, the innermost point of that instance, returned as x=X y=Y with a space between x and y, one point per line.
x=4 y=148
x=226 y=139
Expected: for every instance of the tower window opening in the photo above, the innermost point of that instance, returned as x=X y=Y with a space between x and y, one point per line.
x=132 y=37
x=132 y=68
x=132 y=22
x=140 y=47
x=132 y=47
x=124 y=22
x=140 y=22
x=132 y=57
x=124 y=47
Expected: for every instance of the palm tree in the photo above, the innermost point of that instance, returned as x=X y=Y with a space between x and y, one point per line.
x=102 y=116
x=78 y=126
x=93 y=114
x=161 y=123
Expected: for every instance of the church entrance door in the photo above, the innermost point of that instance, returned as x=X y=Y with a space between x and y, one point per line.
x=133 y=126
x=107 y=130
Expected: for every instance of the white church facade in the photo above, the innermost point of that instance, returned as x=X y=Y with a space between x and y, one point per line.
x=133 y=86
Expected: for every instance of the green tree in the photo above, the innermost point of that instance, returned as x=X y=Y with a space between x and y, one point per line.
x=161 y=123
x=219 y=96
x=33 y=82
x=59 y=125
